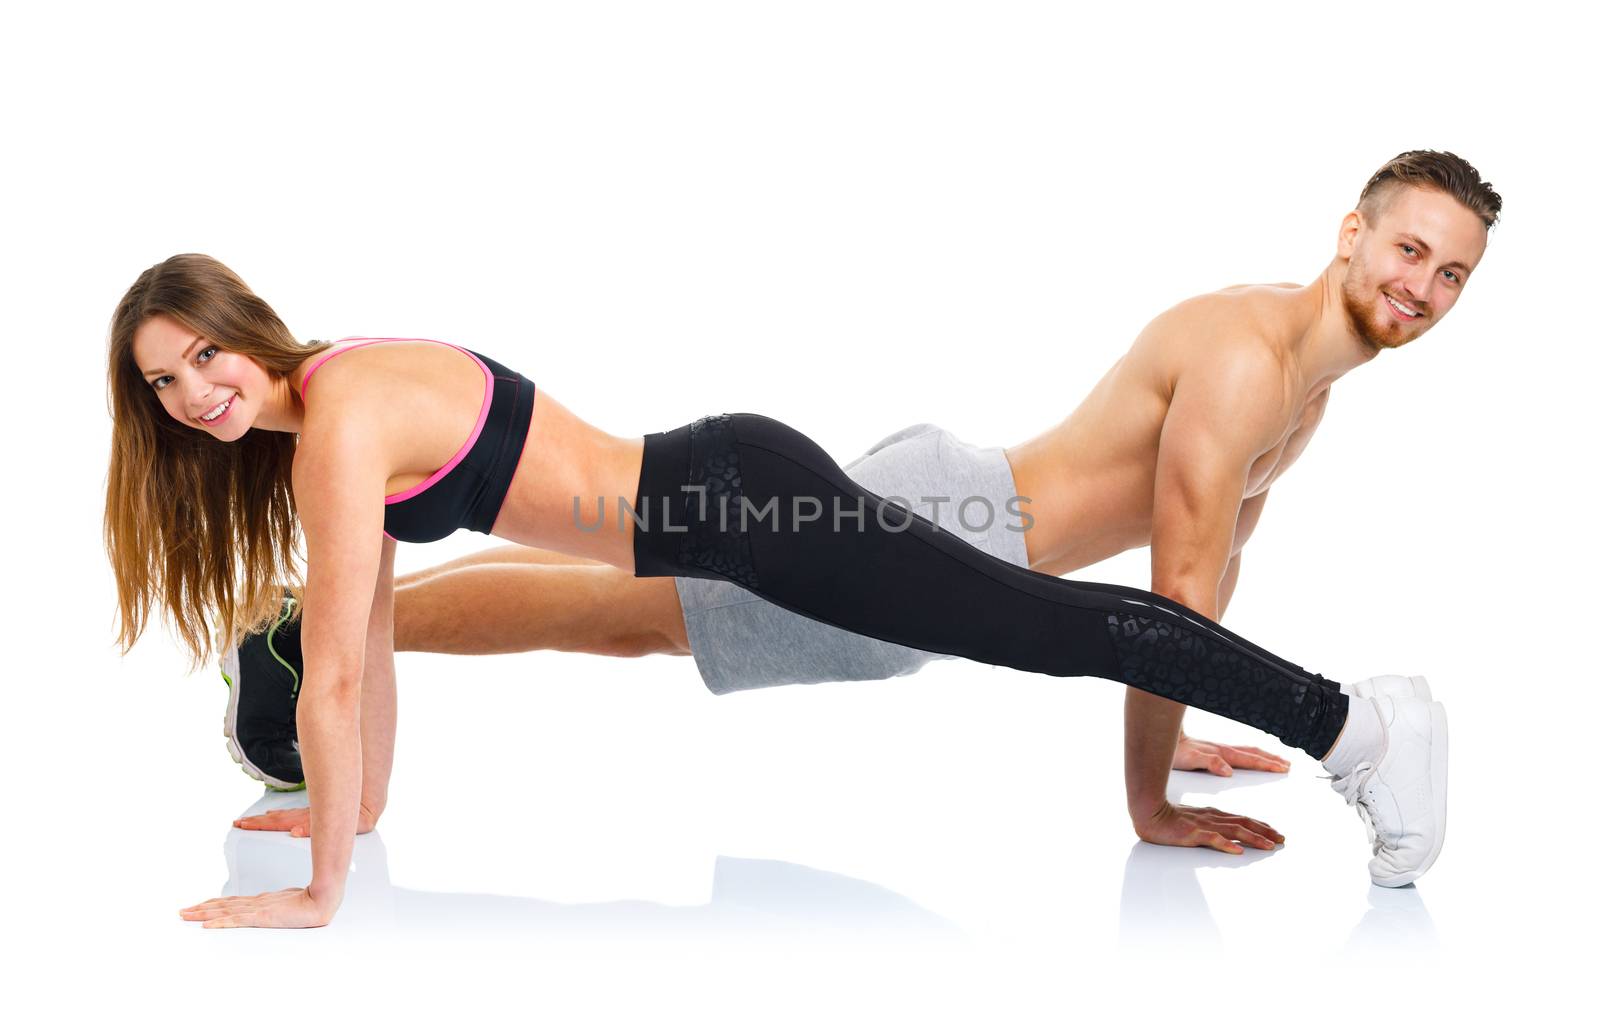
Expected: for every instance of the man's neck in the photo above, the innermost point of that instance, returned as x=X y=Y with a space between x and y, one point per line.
x=1327 y=346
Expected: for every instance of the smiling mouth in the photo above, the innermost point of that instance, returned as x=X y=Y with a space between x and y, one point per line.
x=1405 y=311
x=218 y=411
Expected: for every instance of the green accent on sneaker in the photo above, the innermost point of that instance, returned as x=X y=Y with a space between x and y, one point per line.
x=227 y=680
x=288 y=606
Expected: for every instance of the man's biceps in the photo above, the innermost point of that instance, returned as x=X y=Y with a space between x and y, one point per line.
x=1196 y=508
x=1201 y=474
x=1240 y=412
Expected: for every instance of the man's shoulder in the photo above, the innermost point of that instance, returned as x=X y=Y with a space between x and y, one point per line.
x=1235 y=311
x=1221 y=335
x=1231 y=364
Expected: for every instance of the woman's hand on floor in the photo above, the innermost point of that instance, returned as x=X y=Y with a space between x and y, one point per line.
x=293 y=908
x=1199 y=755
x=297 y=821
x=1205 y=827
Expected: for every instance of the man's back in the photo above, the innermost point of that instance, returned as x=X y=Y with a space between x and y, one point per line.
x=1233 y=350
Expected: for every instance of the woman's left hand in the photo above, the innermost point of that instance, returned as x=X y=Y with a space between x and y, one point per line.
x=292 y=908
x=297 y=821
x=1199 y=755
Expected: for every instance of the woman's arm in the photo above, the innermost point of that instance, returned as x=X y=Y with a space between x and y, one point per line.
x=339 y=477
x=378 y=697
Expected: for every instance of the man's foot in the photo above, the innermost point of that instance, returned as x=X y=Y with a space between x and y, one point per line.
x=263 y=677
x=1390 y=685
x=1399 y=788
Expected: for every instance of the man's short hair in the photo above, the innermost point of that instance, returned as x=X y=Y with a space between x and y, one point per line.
x=1438 y=171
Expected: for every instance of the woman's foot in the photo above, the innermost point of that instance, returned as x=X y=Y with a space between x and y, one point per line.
x=263 y=676
x=1397 y=783
x=1390 y=685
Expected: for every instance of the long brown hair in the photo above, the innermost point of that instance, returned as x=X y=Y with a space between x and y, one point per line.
x=202 y=529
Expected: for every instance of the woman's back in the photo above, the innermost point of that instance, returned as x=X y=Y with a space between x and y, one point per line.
x=431 y=395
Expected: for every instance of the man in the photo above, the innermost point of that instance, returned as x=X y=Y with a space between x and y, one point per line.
x=1176 y=448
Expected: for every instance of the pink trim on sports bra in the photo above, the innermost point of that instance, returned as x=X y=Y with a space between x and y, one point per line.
x=483 y=411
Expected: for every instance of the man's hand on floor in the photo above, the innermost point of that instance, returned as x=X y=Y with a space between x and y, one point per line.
x=1200 y=755
x=1205 y=827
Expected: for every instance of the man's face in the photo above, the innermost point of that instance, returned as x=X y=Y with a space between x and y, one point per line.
x=1408 y=267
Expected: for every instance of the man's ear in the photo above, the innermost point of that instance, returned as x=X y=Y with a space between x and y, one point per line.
x=1352 y=224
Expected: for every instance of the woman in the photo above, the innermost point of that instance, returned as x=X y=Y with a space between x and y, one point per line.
x=413 y=439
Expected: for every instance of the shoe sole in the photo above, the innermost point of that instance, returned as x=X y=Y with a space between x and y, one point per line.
x=1438 y=779
x=230 y=664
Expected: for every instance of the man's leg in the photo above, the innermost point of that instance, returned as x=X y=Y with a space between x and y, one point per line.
x=505 y=601
x=497 y=601
x=506 y=553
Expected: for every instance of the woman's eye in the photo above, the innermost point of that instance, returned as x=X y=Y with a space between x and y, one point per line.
x=161 y=383
x=207 y=350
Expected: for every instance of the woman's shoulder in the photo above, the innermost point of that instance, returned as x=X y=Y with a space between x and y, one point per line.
x=356 y=363
x=390 y=385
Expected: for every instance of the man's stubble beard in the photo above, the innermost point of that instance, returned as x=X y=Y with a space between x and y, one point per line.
x=1371 y=322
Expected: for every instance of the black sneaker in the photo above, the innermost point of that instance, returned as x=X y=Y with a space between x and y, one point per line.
x=263 y=677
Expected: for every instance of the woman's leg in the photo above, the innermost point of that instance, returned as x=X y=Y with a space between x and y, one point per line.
x=800 y=533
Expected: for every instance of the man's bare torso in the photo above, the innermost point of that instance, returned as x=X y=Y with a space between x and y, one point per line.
x=1091 y=478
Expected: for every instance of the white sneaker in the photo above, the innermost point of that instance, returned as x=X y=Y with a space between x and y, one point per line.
x=1390 y=685
x=1400 y=794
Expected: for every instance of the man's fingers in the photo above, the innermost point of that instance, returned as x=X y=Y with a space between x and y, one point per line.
x=1240 y=832
x=1216 y=832
x=1217 y=765
x=1249 y=756
x=1264 y=829
x=1222 y=844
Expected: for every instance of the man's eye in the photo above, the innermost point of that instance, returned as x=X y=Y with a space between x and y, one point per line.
x=1409 y=249
x=1453 y=277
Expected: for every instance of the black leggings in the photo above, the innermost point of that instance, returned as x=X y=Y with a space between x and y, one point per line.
x=747 y=499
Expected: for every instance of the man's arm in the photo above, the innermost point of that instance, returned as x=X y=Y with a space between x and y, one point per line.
x=1224 y=414
x=1230 y=579
x=1249 y=516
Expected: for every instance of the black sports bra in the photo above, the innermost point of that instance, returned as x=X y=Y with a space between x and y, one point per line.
x=469 y=489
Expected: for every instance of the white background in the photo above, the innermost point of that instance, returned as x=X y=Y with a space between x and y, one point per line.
x=851 y=217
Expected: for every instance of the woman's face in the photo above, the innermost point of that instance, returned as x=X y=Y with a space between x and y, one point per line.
x=200 y=384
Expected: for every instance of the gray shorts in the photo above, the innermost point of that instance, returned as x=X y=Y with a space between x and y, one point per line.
x=740 y=641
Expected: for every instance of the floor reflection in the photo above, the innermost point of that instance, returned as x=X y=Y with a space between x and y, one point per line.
x=749 y=896
x=1396 y=920
x=1163 y=906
